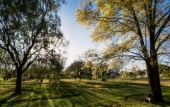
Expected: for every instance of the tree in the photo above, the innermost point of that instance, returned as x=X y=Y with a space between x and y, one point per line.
x=164 y=71
x=138 y=29
x=99 y=69
x=35 y=71
x=116 y=65
x=141 y=73
x=75 y=66
x=94 y=64
x=26 y=27
x=125 y=74
x=88 y=68
x=52 y=59
x=75 y=69
x=57 y=62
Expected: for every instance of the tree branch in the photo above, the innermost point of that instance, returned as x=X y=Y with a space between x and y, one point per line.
x=165 y=39
x=162 y=27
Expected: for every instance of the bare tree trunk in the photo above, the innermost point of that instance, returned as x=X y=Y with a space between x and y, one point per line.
x=18 y=82
x=154 y=81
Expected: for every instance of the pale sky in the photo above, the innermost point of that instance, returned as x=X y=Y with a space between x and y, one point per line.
x=77 y=34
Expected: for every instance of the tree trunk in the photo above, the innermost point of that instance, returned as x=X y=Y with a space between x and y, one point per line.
x=18 y=82
x=154 y=81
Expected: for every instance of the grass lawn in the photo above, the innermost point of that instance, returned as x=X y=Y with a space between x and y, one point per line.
x=119 y=92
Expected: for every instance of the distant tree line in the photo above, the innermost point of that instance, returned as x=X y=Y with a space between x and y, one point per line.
x=90 y=70
x=134 y=74
x=163 y=69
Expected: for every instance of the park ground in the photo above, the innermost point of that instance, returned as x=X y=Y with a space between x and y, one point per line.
x=119 y=92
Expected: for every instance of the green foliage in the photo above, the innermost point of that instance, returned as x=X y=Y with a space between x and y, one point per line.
x=75 y=67
x=57 y=61
x=28 y=26
x=36 y=71
x=133 y=74
x=27 y=29
x=56 y=65
x=48 y=66
x=141 y=73
x=127 y=74
x=87 y=69
x=164 y=71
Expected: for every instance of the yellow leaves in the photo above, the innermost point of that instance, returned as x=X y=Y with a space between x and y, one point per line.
x=115 y=61
x=119 y=47
x=87 y=14
x=102 y=32
x=104 y=16
x=88 y=64
x=82 y=17
x=127 y=21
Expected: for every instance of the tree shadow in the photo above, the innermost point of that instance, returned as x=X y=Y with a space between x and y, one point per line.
x=135 y=92
x=5 y=100
x=141 y=98
x=9 y=98
x=138 y=97
x=91 y=97
x=108 y=103
x=84 y=94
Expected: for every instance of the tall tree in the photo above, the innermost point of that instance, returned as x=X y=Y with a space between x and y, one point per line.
x=26 y=27
x=57 y=62
x=139 y=29
x=52 y=59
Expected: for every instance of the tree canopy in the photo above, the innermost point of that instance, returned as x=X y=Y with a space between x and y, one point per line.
x=26 y=28
x=139 y=29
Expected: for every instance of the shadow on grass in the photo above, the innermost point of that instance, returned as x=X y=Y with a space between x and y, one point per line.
x=138 y=97
x=43 y=98
x=108 y=103
x=133 y=92
x=113 y=85
x=141 y=98
x=19 y=99
x=5 y=100
x=84 y=94
x=34 y=92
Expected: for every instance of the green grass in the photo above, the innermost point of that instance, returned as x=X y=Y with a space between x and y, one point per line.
x=113 y=93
